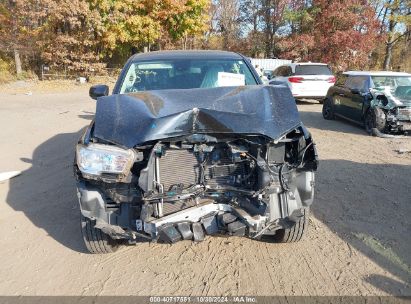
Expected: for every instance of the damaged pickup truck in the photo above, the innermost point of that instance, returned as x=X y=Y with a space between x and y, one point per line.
x=381 y=101
x=176 y=154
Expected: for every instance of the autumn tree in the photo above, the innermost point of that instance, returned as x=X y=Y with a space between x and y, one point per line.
x=130 y=24
x=71 y=37
x=180 y=20
x=85 y=35
x=273 y=19
x=82 y=34
x=251 y=16
x=342 y=33
x=124 y=25
x=395 y=16
x=298 y=40
x=20 y=21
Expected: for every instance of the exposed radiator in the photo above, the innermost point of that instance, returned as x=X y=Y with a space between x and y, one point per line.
x=178 y=167
x=223 y=172
x=225 y=175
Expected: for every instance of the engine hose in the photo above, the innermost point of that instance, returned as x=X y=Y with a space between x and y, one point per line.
x=302 y=157
x=281 y=178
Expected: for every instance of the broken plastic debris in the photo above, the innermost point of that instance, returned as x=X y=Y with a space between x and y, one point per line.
x=81 y=80
x=402 y=151
x=377 y=133
x=7 y=175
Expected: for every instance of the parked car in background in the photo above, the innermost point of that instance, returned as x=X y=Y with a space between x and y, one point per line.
x=306 y=80
x=265 y=76
x=189 y=144
x=381 y=101
x=268 y=74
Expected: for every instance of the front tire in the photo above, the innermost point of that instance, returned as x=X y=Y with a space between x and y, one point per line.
x=375 y=119
x=328 y=109
x=96 y=241
x=296 y=232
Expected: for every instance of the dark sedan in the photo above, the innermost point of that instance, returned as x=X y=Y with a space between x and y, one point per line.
x=380 y=101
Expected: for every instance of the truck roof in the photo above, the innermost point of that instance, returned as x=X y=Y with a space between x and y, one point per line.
x=186 y=54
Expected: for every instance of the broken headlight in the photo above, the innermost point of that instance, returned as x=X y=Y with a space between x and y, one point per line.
x=96 y=159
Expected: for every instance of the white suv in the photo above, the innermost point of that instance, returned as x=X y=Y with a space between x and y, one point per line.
x=305 y=80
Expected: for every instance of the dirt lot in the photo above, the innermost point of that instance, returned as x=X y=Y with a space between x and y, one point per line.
x=359 y=240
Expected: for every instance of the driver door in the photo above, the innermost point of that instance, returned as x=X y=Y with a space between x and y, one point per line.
x=353 y=102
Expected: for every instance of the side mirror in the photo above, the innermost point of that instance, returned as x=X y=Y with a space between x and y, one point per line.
x=355 y=91
x=99 y=90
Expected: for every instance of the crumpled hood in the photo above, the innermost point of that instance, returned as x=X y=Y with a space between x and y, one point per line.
x=133 y=119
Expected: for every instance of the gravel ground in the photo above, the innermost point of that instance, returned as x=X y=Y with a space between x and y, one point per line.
x=358 y=244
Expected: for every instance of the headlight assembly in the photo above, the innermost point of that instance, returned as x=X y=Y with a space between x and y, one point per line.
x=96 y=159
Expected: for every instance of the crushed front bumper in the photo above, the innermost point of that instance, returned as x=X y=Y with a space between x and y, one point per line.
x=112 y=221
x=207 y=218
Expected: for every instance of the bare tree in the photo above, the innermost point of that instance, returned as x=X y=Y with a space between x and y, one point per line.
x=272 y=15
x=228 y=20
x=395 y=13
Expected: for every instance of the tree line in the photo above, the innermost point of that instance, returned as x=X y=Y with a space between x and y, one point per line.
x=88 y=35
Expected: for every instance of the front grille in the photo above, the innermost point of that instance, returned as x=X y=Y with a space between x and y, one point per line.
x=178 y=168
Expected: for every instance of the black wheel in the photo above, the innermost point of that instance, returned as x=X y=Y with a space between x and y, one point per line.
x=294 y=233
x=328 y=109
x=375 y=119
x=95 y=240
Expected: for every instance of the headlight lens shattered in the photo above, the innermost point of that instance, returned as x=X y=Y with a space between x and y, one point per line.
x=96 y=159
